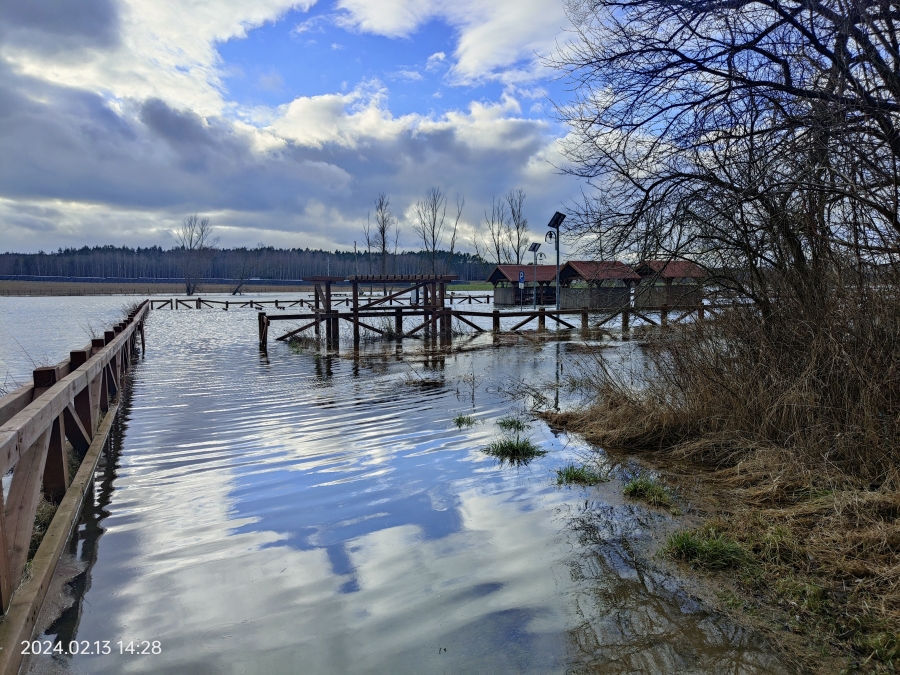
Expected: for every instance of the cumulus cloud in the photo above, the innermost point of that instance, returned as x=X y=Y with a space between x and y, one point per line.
x=118 y=138
x=498 y=40
x=435 y=60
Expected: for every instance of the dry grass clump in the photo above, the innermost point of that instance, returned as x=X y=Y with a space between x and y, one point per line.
x=792 y=406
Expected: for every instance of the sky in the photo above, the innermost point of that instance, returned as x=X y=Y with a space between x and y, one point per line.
x=281 y=121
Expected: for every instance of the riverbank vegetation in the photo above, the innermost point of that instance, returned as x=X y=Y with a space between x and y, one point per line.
x=760 y=140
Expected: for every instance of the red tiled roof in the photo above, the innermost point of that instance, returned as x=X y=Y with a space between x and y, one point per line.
x=545 y=273
x=591 y=270
x=670 y=269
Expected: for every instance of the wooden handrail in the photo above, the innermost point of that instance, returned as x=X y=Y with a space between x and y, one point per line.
x=36 y=420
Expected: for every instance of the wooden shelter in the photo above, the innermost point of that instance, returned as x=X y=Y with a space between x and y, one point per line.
x=675 y=284
x=604 y=285
x=507 y=292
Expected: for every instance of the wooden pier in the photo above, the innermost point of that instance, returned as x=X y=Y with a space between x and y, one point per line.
x=336 y=301
x=69 y=404
x=431 y=314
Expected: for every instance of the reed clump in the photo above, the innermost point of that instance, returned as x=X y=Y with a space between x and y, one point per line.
x=790 y=406
x=463 y=421
x=583 y=475
x=649 y=490
x=514 y=449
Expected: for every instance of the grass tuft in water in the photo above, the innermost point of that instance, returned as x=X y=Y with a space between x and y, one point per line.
x=705 y=548
x=514 y=449
x=646 y=489
x=512 y=424
x=463 y=421
x=571 y=473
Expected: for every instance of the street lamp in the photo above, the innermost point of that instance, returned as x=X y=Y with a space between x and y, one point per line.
x=534 y=249
x=553 y=235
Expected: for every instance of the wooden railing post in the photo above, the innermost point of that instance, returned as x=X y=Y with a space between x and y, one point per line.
x=496 y=320
x=542 y=319
x=584 y=320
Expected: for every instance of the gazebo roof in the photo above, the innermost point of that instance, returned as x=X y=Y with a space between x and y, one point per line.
x=592 y=271
x=670 y=269
x=510 y=273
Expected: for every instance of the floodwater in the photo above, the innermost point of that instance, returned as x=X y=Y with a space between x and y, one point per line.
x=310 y=512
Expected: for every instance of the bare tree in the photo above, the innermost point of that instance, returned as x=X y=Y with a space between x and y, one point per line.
x=249 y=265
x=517 y=232
x=197 y=243
x=431 y=223
x=495 y=247
x=383 y=234
x=756 y=135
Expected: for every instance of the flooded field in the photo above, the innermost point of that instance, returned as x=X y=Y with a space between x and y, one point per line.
x=310 y=512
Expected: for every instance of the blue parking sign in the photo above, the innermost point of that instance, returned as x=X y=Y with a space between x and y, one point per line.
x=521 y=277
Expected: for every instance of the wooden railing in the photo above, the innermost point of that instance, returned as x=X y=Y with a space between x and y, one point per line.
x=64 y=403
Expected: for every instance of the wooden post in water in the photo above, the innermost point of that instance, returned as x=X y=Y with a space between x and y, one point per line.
x=664 y=316
x=542 y=319
x=398 y=322
x=584 y=320
x=316 y=310
x=355 y=312
x=626 y=315
x=496 y=320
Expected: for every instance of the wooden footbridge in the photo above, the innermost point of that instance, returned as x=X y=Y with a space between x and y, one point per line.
x=67 y=408
x=427 y=306
x=336 y=301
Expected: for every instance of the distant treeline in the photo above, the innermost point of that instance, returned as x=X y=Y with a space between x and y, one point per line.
x=236 y=263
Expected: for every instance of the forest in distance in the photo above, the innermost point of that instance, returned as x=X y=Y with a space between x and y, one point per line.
x=236 y=263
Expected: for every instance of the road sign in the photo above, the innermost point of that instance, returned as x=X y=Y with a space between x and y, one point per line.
x=521 y=277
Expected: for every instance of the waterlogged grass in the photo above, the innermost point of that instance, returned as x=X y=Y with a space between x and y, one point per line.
x=516 y=449
x=582 y=475
x=705 y=548
x=512 y=424
x=463 y=421
x=648 y=490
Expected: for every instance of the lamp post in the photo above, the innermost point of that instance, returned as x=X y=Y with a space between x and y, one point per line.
x=534 y=249
x=553 y=236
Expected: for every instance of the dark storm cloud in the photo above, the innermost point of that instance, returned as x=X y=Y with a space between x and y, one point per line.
x=49 y=26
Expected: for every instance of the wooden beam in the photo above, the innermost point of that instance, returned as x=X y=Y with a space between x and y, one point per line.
x=466 y=321
x=297 y=330
x=22 y=501
x=531 y=317
x=552 y=315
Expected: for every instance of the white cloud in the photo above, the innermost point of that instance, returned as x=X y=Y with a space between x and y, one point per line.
x=408 y=75
x=162 y=51
x=502 y=39
x=435 y=60
x=391 y=18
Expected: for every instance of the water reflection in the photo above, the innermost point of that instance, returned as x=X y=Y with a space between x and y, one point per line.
x=632 y=617
x=319 y=512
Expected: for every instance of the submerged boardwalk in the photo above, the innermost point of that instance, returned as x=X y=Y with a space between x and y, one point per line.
x=427 y=306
